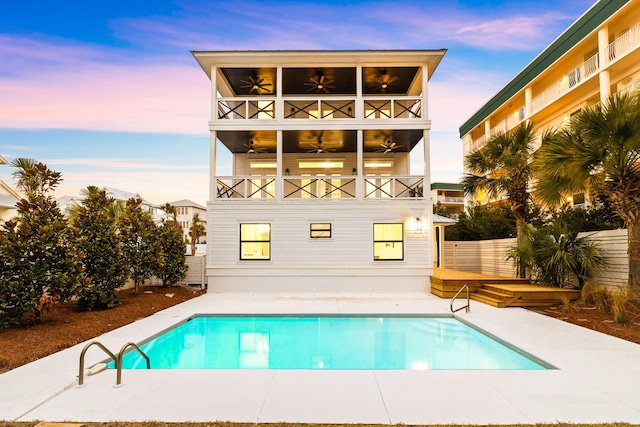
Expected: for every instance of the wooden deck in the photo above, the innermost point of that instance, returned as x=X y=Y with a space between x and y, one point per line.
x=498 y=291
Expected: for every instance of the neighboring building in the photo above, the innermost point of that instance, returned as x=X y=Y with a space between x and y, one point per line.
x=186 y=209
x=320 y=196
x=8 y=198
x=450 y=196
x=122 y=196
x=596 y=56
x=66 y=203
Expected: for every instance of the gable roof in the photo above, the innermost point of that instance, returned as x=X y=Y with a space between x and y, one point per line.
x=8 y=196
x=186 y=203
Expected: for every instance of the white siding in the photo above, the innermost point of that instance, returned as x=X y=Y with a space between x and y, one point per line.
x=300 y=263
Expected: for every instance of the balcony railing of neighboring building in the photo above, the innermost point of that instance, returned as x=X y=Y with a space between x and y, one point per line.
x=319 y=187
x=620 y=47
x=511 y=121
x=451 y=199
x=319 y=108
x=623 y=44
x=584 y=71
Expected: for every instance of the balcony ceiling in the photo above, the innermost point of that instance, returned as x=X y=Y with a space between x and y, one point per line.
x=324 y=81
x=333 y=141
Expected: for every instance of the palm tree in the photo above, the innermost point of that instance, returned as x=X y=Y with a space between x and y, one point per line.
x=502 y=168
x=195 y=232
x=598 y=151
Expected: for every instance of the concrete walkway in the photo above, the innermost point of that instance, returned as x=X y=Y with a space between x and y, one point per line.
x=596 y=380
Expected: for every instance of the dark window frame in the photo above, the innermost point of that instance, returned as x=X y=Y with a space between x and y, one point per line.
x=311 y=230
x=255 y=241
x=388 y=241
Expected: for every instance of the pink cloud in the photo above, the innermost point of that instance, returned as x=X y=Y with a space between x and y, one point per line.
x=76 y=88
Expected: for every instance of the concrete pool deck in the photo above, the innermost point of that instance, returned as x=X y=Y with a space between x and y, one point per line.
x=596 y=380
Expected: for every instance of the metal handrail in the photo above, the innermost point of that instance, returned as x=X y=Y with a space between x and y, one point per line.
x=119 y=361
x=84 y=351
x=466 y=307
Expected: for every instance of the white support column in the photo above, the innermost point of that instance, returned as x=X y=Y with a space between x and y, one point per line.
x=360 y=164
x=604 y=76
x=212 y=165
x=528 y=97
x=427 y=165
x=279 y=100
x=279 y=179
x=487 y=129
x=214 y=93
x=359 y=112
x=425 y=92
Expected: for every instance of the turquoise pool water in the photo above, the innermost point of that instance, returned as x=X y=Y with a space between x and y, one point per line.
x=349 y=342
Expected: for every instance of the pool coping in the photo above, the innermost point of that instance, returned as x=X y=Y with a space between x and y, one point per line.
x=596 y=379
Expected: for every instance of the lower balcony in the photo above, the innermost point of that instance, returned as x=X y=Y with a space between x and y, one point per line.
x=319 y=187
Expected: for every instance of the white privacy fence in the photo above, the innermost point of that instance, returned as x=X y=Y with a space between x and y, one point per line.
x=489 y=256
x=196 y=273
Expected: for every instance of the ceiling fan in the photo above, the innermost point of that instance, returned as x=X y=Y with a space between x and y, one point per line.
x=319 y=148
x=389 y=147
x=257 y=85
x=253 y=149
x=320 y=83
x=384 y=80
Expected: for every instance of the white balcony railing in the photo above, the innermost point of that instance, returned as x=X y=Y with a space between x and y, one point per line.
x=318 y=187
x=399 y=187
x=547 y=97
x=393 y=108
x=623 y=44
x=319 y=108
x=314 y=108
x=584 y=71
x=248 y=108
x=451 y=199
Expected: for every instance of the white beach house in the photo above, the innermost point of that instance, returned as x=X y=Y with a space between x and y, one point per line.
x=319 y=170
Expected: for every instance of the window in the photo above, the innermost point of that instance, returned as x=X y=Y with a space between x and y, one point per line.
x=321 y=231
x=255 y=241
x=388 y=242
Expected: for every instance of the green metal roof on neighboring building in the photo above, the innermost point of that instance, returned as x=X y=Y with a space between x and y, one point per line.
x=446 y=186
x=587 y=23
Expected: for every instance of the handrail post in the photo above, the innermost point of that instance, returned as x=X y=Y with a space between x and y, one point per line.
x=121 y=354
x=82 y=354
x=466 y=307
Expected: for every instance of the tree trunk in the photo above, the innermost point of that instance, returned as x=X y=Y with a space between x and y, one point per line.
x=520 y=223
x=633 y=233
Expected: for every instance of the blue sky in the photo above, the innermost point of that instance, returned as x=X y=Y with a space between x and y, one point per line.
x=109 y=94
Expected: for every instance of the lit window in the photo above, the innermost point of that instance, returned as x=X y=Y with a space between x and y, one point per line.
x=388 y=242
x=255 y=241
x=321 y=231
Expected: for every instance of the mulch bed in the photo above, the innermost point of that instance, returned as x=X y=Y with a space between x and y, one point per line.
x=64 y=326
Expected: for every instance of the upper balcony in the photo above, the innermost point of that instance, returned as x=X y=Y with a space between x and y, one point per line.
x=297 y=94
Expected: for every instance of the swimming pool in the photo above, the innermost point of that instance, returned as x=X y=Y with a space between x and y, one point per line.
x=328 y=342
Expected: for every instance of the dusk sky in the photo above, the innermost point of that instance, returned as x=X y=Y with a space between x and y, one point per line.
x=109 y=94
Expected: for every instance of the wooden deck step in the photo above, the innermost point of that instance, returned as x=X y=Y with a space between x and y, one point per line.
x=498 y=291
x=489 y=300
x=493 y=294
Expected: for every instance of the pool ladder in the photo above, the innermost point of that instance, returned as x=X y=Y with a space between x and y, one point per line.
x=466 y=307
x=116 y=360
